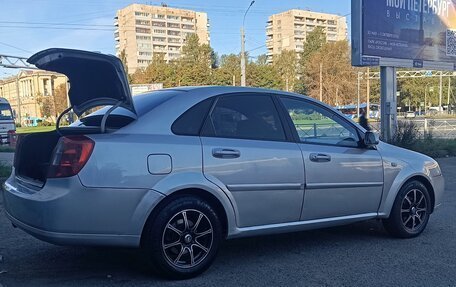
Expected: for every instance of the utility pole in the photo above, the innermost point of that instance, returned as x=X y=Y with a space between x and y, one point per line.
x=321 y=82
x=449 y=92
x=18 y=99
x=368 y=93
x=243 y=75
x=440 y=92
x=359 y=88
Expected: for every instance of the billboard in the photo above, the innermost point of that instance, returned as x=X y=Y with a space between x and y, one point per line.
x=404 y=33
x=140 y=89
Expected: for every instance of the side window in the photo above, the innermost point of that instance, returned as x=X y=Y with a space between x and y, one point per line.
x=245 y=117
x=318 y=125
x=190 y=122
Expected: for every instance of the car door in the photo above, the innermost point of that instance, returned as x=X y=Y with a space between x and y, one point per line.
x=247 y=151
x=343 y=178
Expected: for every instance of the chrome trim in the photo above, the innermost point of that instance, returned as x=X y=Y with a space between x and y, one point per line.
x=342 y=185
x=259 y=187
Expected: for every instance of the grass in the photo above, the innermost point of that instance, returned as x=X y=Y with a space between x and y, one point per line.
x=23 y=130
x=7 y=149
x=435 y=147
x=5 y=171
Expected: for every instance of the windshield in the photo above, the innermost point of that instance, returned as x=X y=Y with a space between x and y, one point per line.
x=5 y=112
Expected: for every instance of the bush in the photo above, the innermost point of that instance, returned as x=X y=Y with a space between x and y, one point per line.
x=407 y=134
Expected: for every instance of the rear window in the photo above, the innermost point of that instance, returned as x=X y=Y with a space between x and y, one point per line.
x=121 y=117
x=5 y=112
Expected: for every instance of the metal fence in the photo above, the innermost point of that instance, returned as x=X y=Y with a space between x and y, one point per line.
x=438 y=128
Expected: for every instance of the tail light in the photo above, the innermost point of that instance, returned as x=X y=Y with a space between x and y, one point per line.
x=70 y=156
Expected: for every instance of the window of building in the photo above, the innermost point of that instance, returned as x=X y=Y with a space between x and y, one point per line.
x=188 y=27
x=46 y=87
x=159 y=31
x=158 y=39
x=143 y=38
x=141 y=14
x=317 y=125
x=251 y=117
x=174 y=33
x=173 y=25
x=174 y=40
x=172 y=17
x=142 y=22
x=142 y=30
x=158 y=24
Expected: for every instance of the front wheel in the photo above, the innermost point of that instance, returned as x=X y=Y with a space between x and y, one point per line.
x=183 y=240
x=410 y=213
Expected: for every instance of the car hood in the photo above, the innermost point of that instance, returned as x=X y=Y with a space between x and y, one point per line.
x=95 y=79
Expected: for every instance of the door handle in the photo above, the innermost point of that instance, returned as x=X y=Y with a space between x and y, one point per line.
x=225 y=153
x=319 y=157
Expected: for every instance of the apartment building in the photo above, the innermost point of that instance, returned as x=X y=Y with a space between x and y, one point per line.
x=25 y=88
x=144 y=30
x=288 y=30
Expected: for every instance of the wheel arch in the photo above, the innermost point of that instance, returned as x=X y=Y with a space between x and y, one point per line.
x=203 y=194
x=385 y=210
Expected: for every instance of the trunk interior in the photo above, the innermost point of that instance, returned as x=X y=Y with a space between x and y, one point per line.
x=34 y=152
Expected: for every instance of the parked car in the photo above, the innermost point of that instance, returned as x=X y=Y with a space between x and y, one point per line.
x=410 y=115
x=7 y=125
x=177 y=171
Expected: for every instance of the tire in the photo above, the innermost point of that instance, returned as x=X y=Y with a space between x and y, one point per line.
x=411 y=210
x=178 y=250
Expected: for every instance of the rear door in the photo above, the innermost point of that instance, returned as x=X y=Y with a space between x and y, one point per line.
x=343 y=178
x=247 y=150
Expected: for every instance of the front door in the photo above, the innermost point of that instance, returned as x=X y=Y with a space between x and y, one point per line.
x=246 y=150
x=342 y=177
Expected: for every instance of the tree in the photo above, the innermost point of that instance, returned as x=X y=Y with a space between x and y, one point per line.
x=228 y=71
x=286 y=64
x=339 y=77
x=46 y=105
x=195 y=65
x=60 y=99
x=123 y=59
x=262 y=75
x=315 y=40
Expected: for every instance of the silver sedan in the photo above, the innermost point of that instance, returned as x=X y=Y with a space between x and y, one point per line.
x=177 y=171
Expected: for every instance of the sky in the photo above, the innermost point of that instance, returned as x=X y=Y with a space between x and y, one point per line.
x=28 y=26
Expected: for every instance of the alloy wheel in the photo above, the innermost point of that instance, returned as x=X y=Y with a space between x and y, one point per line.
x=187 y=238
x=414 y=210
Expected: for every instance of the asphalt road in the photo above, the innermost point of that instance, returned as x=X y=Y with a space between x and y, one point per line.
x=356 y=255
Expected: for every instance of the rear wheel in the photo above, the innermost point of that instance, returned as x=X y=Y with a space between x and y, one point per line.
x=410 y=213
x=183 y=240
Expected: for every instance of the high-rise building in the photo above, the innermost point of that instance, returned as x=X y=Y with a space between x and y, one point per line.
x=288 y=30
x=144 y=30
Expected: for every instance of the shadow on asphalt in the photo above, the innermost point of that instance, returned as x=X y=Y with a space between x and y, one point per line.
x=102 y=262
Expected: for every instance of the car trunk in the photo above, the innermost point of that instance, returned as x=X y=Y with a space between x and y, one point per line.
x=34 y=153
x=95 y=80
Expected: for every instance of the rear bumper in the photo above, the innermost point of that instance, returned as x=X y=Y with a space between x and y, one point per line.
x=67 y=213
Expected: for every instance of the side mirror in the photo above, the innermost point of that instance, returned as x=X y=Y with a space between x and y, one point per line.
x=370 y=139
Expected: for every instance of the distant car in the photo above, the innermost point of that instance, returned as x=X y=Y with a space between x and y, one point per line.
x=410 y=115
x=7 y=125
x=177 y=171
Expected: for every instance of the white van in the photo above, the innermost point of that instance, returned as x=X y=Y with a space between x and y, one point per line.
x=7 y=125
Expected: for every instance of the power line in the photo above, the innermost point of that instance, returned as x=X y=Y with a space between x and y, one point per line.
x=11 y=46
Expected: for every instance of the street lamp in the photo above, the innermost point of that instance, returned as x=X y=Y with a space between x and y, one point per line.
x=243 y=46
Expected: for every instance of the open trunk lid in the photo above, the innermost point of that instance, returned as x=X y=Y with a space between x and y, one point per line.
x=95 y=79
